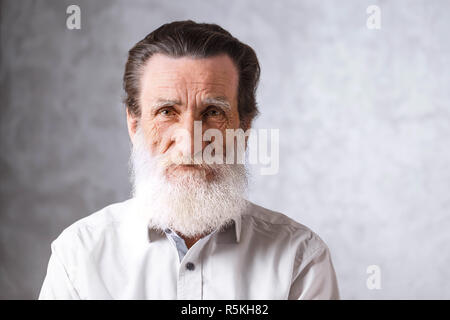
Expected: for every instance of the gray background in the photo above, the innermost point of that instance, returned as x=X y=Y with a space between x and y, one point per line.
x=364 y=121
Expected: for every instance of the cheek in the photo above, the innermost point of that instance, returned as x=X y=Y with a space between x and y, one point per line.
x=153 y=134
x=159 y=136
x=222 y=126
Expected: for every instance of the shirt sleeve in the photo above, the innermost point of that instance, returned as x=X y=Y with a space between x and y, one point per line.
x=57 y=284
x=315 y=278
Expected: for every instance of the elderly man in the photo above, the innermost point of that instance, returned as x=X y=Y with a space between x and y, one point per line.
x=188 y=232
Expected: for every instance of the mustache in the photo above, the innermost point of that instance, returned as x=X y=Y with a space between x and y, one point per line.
x=190 y=160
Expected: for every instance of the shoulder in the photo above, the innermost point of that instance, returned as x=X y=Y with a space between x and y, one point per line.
x=93 y=227
x=280 y=229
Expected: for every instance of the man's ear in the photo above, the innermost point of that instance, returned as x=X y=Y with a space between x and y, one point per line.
x=132 y=122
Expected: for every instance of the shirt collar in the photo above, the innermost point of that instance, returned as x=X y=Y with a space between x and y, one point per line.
x=231 y=231
x=140 y=229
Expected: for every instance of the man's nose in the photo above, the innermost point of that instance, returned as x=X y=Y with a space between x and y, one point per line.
x=187 y=133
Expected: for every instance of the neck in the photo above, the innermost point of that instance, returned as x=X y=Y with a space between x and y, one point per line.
x=190 y=241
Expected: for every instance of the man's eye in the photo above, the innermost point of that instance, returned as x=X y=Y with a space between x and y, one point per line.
x=213 y=113
x=166 y=112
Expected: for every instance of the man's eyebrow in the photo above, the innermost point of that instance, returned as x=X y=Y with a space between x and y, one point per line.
x=159 y=103
x=221 y=102
x=218 y=102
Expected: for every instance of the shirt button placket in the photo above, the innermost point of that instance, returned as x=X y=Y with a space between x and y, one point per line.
x=190 y=280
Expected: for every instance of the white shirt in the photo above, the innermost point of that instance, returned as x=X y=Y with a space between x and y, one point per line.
x=113 y=254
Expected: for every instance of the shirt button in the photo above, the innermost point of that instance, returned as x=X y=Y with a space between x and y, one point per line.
x=190 y=266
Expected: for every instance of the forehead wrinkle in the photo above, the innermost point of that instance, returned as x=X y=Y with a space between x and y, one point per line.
x=173 y=89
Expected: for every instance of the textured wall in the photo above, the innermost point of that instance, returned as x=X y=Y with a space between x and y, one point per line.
x=364 y=122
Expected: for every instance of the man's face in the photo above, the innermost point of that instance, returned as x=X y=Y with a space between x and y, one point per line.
x=175 y=92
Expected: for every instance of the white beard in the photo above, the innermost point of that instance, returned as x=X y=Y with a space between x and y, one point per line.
x=187 y=203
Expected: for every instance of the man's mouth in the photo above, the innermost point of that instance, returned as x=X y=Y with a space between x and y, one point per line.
x=178 y=168
x=185 y=169
x=194 y=170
